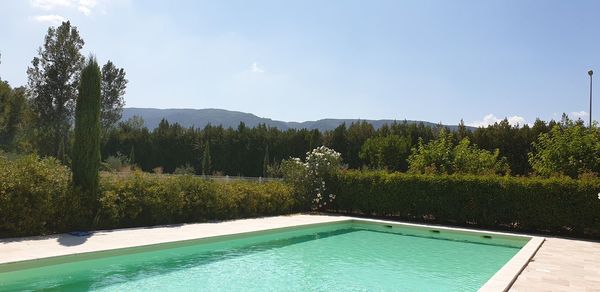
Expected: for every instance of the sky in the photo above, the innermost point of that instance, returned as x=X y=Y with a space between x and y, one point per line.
x=438 y=61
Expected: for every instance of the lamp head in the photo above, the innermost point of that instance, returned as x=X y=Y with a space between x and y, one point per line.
x=590 y=72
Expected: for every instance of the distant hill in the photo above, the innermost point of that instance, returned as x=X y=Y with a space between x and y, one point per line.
x=201 y=117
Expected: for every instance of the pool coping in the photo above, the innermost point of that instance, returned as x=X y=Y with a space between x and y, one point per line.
x=29 y=250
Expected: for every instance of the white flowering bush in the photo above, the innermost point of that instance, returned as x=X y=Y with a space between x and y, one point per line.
x=309 y=177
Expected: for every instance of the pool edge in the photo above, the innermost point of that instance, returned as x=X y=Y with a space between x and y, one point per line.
x=504 y=278
x=115 y=251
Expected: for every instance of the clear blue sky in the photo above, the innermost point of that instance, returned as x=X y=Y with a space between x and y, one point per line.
x=438 y=61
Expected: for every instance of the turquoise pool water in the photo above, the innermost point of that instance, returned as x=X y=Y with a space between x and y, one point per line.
x=334 y=257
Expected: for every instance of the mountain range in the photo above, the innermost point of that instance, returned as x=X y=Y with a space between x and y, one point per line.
x=201 y=117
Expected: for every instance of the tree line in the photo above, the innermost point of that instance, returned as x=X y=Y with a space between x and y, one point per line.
x=38 y=118
x=500 y=148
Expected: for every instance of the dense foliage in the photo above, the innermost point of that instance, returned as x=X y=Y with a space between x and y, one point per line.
x=441 y=156
x=569 y=149
x=556 y=205
x=386 y=152
x=13 y=116
x=36 y=197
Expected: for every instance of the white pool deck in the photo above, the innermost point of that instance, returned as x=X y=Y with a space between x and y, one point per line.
x=558 y=265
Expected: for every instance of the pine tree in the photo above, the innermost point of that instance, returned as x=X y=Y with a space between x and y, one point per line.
x=86 y=150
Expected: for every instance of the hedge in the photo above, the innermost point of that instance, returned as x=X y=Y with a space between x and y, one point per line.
x=143 y=199
x=550 y=205
x=36 y=197
x=33 y=193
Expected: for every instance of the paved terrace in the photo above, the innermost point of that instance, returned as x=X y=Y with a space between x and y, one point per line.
x=558 y=265
x=562 y=265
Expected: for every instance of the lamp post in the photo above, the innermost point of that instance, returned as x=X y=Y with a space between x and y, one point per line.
x=590 y=73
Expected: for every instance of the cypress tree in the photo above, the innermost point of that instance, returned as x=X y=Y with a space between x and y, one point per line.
x=266 y=162
x=86 y=151
x=206 y=160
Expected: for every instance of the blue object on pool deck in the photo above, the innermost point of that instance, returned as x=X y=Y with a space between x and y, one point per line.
x=80 y=233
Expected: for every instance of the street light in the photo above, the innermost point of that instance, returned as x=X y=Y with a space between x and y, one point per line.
x=590 y=73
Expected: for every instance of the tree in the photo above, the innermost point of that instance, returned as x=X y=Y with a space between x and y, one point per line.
x=569 y=149
x=266 y=161
x=462 y=131
x=206 y=160
x=52 y=81
x=338 y=140
x=472 y=160
x=388 y=152
x=113 y=88
x=86 y=150
x=13 y=107
x=357 y=134
x=442 y=157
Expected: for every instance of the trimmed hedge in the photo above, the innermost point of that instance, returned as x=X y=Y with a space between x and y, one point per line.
x=554 y=205
x=144 y=199
x=36 y=197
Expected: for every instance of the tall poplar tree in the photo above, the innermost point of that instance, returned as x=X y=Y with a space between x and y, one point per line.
x=52 y=82
x=113 y=88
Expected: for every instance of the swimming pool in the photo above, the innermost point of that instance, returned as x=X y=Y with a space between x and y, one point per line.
x=351 y=255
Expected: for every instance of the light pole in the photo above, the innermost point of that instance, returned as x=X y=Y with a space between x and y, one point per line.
x=590 y=73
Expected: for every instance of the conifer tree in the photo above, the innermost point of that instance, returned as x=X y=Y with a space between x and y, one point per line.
x=206 y=163
x=86 y=150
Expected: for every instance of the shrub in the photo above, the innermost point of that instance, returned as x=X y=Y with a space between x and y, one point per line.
x=556 y=205
x=113 y=163
x=118 y=162
x=33 y=195
x=185 y=169
x=309 y=178
x=145 y=199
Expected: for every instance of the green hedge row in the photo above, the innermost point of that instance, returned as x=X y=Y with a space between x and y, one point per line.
x=146 y=199
x=36 y=198
x=554 y=205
